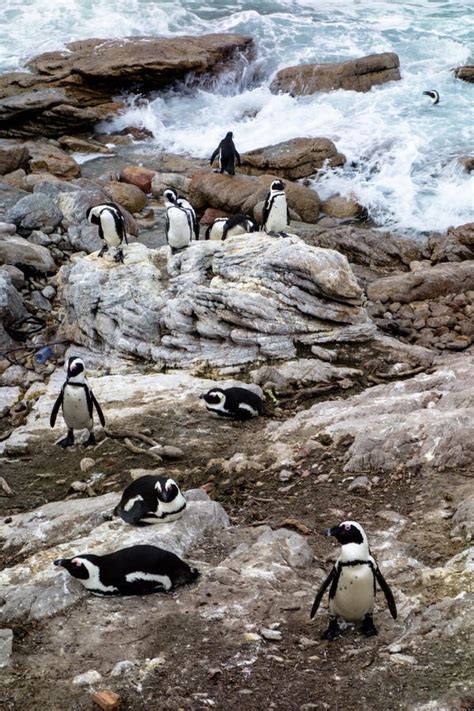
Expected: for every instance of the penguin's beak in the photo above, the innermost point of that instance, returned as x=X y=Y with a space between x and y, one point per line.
x=59 y=561
x=331 y=531
x=201 y=397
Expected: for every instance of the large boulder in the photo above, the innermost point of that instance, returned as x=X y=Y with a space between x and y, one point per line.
x=73 y=89
x=12 y=156
x=139 y=176
x=456 y=246
x=19 y=252
x=427 y=283
x=356 y=75
x=251 y=297
x=46 y=158
x=127 y=195
x=297 y=158
x=35 y=212
x=9 y=196
x=465 y=73
x=241 y=193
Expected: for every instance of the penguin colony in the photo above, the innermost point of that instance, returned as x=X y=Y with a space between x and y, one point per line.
x=144 y=569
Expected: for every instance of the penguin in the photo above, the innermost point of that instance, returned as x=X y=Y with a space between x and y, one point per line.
x=237 y=403
x=179 y=227
x=352 y=579
x=276 y=215
x=224 y=227
x=228 y=155
x=151 y=499
x=172 y=196
x=138 y=570
x=433 y=94
x=111 y=227
x=77 y=401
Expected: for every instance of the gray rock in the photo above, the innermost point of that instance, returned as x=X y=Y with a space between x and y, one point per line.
x=17 y=251
x=11 y=303
x=8 y=397
x=225 y=303
x=88 y=678
x=293 y=159
x=360 y=483
x=7 y=228
x=84 y=237
x=38 y=237
x=74 y=205
x=296 y=373
x=13 y=155
x=35 y=212
x=49 y=292
x=9 y=196
x=463 y=519
x=6 y=646
x=39 y=301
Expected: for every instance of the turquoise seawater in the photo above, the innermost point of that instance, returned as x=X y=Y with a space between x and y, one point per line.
x=402 y=151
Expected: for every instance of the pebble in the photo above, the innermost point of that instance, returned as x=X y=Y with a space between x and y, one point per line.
x=252 y=637
x=49 y=292
x=274 y=635
x=360 y=482
x=285 y=475
x=402 y=659
x=122 y=668
x=87 y=678
x=86 y=464
x=78 y=486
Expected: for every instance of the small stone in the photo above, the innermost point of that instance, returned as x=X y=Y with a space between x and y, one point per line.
x=107 y=700
x=86 y=464
x=273 y=635
x=170 y=452
x=360 y=483
x=78 y=486
x=49 y=292
x=122 y=668
x=252 y=637
x=286 y=475
x=402 y=658
x=87 y=678
x=6 y=645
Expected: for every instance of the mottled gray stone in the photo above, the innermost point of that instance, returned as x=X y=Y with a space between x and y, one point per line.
x=35 y=212
x=18 y=251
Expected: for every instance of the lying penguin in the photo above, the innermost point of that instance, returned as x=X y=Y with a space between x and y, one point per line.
x=138 y=570
x=227 y=153
x=352 y=579
x=237 y=403
x=224 y=227
x=77 y=401
x=276 y=215
x=171 y=196
x=111 y=227
x=151 y=499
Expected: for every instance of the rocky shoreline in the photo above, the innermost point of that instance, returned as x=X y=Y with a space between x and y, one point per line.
x=360 y=340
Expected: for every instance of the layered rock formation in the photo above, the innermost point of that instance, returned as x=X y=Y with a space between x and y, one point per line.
x=465 y=73
x=354 y=75
x=297 y=158
x=73 y=89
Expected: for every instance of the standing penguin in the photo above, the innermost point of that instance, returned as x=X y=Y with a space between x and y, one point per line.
x=179 y=226
x=433 y=94
x=237 y=403
x=77 y=401
x=111 y=227
x=172 y=196
x=228 y=155
x=276 y=215
x=151 y=499
x=352 y=580
x=138 y=570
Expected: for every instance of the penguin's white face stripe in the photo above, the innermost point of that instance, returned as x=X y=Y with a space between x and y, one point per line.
x=93 y=581
x=169 y=484
x=164 y=580
x=131 y=502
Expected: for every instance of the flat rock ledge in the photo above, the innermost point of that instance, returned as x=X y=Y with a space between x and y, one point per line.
x=224 y=304
x=72 y=90
x=294 y=159
x=355 y=75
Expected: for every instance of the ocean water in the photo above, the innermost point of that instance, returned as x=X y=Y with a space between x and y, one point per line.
x=402 y=152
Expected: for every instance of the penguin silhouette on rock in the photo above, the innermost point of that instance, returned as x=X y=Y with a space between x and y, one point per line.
x=227 y=153
x=77 y=401
x=111 y=227
x=353 y=580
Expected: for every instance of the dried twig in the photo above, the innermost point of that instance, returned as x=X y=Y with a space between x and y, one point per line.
x=130 y=434
x=6 y=487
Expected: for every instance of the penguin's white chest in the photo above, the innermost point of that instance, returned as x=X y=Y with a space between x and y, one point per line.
x=355 y=593
x=75 y=410
x=277 y=220
x=217 y=229
x=179 y=231
x=109 y=229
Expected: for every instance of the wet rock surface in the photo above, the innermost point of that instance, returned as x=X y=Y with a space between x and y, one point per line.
x=297 y=158
x=355 y=75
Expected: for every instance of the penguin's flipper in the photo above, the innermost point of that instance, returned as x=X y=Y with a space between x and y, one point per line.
x=214 y=155
x=387 y=592
x=134 y=514
x=56 y=406
x=266 y=210
x=237 y=157
x=167 y=227
x=98 y=409
x=287 y=214
x=321 y=591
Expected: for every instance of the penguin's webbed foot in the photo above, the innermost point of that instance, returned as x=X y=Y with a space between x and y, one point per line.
x=90 y=441
x=118 y=256
x=67 y=441
x=103 y=250
x=332 y=631
x=368 y=627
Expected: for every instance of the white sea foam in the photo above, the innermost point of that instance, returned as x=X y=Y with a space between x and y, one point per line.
x=402 y=152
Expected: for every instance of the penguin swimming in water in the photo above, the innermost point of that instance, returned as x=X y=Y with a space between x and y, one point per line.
x=179 y=228
x=151 y=499
x=433 y=94
x=224 y=227
x=172 y=196
x=228 y=155
x=352 y=580
x=77 y=401
x=138 y=570
x=237 y=403
x=111 y=227
x=276 y=215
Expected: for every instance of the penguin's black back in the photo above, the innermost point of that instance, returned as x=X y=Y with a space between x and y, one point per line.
x=227 y=149
x=236 y=395
x=144 y=487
